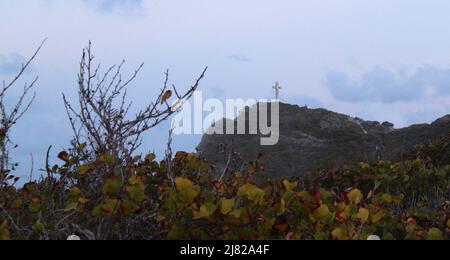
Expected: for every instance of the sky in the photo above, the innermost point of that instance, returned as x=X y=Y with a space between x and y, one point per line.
x=379 y=60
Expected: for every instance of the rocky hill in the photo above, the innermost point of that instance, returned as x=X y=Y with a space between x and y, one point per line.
x=312 y=139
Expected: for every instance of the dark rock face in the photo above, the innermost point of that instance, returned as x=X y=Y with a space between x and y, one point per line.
x=312 y=139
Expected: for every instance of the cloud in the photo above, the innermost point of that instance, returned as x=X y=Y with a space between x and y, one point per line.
x=382 y=85
x=239 y=58
x=11 y=63
x=121 y=6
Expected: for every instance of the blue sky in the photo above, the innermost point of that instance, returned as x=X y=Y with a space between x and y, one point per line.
x=379 y=60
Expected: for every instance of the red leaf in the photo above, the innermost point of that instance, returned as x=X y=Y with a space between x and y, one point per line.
x=63 y=156
x=317 y=196
x=340 y=216
x=290 y=236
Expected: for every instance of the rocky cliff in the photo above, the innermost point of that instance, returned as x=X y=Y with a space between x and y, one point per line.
x=312 y=139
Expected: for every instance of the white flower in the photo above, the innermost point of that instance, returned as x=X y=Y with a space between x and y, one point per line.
x=373 y=237
x=73 y=237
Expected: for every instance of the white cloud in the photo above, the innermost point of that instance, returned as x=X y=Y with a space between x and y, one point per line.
x=11 y=63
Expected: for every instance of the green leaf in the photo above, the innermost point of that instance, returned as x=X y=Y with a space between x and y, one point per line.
x=34 y=205
x=112 y=186
x=37 y=228
x=108 y=207
x=150 y=157
x=16 y=204
x=136 y=192
x=435 y=234
x=128 y=207
x=398 y=198
x=71 y=207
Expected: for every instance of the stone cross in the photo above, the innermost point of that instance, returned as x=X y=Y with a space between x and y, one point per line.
x=277 y=88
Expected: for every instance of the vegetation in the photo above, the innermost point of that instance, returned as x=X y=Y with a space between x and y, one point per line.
x=102 y=190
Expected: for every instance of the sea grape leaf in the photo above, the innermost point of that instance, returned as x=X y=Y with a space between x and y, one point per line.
x=363 y=215
x=4 y=232
x=321 y=212
x=186 y=190
x=71 y=207
x=252 y=192
x=378 y=216
x=355 y=196
x=206 y=210
x=435 y=234
x=339 y=234
x=290 y=185
x=227 y=205
x=112 y=186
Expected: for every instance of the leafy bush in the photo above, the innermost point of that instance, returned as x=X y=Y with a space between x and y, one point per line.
x=140 y=200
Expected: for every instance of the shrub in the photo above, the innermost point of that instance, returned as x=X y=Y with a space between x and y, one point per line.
x=394 y=200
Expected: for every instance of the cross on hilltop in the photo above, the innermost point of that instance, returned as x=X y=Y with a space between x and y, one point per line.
x=277 y=88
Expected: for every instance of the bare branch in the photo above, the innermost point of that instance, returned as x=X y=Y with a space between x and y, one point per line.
x=10 y=118
x=101 y=119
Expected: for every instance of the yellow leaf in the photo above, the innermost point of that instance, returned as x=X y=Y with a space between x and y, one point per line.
x=378 y=216
x=321 y=212
x=339 y=234
x=183 y=184
x=107 y=158
x=252 y=192
x=290 y=185
x=355 y=196
x=205 y=211
x=363 y=215
x=166 y=96
x=74 y=191
x=4 y=233
x=236 y=213
x=386 y=198
x=85 y=169
x=227 y=205
x=398 y=198
x=83 y=200
x=186 y=189
x=135 y=179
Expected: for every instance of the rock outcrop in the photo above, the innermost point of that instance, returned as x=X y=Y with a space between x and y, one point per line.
x=312 y=139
